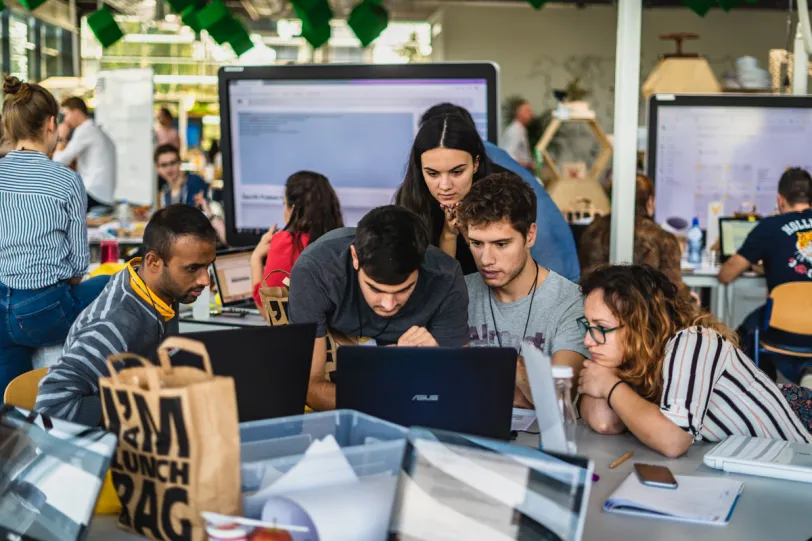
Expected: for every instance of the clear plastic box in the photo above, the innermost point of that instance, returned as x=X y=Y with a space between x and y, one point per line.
x=272 y=447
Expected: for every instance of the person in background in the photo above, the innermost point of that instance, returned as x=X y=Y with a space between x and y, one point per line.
x=311 y=209
x=165 y=132
x=43 y=233
x=447 y=157
x=554 y=247
x=382 y=283
x=512 y=299
x=652 y=244
x=669 y=373
x=133 y=314
x=181 y=187
x=514 y=138
x=783 y=245
x=93 y=150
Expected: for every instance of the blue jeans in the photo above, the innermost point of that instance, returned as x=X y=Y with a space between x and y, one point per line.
x=30 y=319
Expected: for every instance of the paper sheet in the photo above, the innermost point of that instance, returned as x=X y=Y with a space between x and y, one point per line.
x=522 y=419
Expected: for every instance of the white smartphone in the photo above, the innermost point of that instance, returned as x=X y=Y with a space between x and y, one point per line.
x=655 y=476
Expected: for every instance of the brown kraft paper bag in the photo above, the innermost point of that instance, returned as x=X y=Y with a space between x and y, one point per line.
x=274 y=300
x=179 y=443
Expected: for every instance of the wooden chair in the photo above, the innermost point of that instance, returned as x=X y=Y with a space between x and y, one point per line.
x=22 y=391
x=788 y=323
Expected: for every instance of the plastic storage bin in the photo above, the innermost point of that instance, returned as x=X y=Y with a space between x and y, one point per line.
x=272 y=447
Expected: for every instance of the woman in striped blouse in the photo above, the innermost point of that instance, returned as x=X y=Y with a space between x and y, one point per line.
x=43 y=233
x=668 y=373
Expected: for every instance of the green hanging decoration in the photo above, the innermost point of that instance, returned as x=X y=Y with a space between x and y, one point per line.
x=368 y=20
x=31 y=5
x=104 y=27
x=2 y=6
x=315 y=16
x=217 y=21
x=190 y=18
x=179 y=6
x=537 y=4
x=700 y=7
x=239 y=40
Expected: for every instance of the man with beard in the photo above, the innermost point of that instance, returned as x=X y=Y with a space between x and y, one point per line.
x=513 y=300
x=132 y=312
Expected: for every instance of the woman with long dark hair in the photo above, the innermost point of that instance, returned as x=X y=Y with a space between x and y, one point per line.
x=311 y=210
x=447 y=157
x=670 y=373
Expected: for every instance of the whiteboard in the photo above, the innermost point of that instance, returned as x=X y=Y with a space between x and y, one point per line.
x=728 y=150
x=124 y=110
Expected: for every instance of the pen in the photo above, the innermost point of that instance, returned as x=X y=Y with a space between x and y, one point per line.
x=621 y=460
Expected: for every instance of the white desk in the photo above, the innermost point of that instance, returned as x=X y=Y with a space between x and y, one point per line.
x=767 y=509
x=749 y=291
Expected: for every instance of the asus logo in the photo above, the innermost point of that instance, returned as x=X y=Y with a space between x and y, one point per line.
x=426 y=398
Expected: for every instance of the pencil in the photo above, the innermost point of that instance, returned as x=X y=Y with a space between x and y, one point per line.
x=621 y=460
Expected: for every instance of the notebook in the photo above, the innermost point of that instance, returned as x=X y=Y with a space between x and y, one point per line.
x=703 y=500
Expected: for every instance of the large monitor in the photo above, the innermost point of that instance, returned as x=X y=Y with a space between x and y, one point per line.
x=353 y=124
x=732 y=149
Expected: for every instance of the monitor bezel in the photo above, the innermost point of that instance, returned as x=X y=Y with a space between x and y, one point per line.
x=314 y=72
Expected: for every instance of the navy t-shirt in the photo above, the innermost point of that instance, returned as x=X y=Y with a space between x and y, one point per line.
x=784 y=244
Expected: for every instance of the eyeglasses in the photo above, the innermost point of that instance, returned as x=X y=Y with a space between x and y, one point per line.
x=598 y=334
x=168 y=164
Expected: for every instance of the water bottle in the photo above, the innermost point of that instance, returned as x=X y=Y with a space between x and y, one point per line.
x=562 y=375
x=123 y=213
x=695 y=243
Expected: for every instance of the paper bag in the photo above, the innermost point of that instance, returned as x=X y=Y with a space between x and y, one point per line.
x=274 y=301
x=179 y=443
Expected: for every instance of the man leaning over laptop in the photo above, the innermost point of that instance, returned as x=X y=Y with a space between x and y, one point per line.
x=514 y=300
x=382 y=283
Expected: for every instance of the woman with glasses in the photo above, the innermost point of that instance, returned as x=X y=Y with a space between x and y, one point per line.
x=669 y=373
x=180 y=187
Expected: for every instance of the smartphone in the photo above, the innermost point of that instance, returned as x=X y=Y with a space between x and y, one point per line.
x=655 y=476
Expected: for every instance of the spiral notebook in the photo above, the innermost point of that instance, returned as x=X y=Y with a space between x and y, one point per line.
x=704 y=500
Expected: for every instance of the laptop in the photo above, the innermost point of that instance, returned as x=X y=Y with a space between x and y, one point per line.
x=762 y=457
x=492 y=486
x=232 y=273
x=51 y=474
x=732 y=234
x=467 y=390
x=270 y=366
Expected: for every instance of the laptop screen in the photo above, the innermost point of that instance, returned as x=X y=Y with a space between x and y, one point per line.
x=734 y=232
x=233 y=272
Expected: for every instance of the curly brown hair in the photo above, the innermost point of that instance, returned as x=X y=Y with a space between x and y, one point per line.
x=651 y=311
x=499 y=197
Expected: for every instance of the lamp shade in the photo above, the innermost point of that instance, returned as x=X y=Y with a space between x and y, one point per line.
x=681 y=75
x=368 y=20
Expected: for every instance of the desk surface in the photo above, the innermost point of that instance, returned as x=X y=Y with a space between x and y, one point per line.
x=767 y=509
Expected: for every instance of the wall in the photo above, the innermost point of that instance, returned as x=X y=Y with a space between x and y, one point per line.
x=540 y=51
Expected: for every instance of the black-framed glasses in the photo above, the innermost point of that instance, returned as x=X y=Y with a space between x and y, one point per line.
x=598 y=334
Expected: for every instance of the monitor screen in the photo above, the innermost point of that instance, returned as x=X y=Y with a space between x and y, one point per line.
x=233 y=271
x=734 y=232
x=724 y=149
x=355 y=125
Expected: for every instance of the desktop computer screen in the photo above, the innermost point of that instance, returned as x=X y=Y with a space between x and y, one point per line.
x=357 y=131
x=232 y=270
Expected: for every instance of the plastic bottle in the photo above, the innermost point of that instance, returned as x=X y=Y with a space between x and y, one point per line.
x=695 y=243
x=562 y=375
x=123 y=214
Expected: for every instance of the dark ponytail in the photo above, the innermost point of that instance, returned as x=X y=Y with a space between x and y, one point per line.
x=314 y=205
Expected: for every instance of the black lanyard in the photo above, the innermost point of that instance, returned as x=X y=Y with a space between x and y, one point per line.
x=529 y=310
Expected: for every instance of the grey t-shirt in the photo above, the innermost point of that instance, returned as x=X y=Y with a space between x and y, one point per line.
x=553 y=319
x=324 y=290
x=515 y=142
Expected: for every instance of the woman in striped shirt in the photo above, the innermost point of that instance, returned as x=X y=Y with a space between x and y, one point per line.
x=43 y=233
x=668 y=373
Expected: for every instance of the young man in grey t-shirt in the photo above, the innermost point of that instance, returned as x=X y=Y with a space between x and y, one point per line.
x=513 y=300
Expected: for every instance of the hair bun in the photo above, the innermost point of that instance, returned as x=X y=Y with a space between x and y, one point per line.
x=12 y=85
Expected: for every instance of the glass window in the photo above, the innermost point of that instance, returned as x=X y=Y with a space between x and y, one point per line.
x=50 y=42
x=343 y=55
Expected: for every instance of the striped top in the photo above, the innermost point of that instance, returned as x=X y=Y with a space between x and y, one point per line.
x=43 y=226
x=713 y=390
x=126 y=317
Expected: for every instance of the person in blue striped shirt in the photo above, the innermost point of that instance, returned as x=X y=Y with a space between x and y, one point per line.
x=43 y=233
